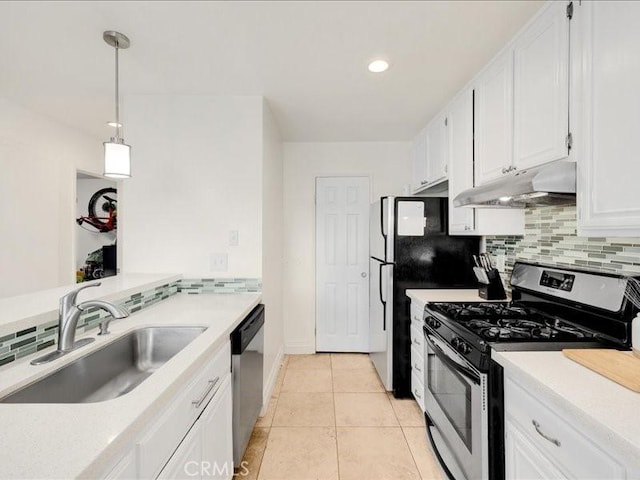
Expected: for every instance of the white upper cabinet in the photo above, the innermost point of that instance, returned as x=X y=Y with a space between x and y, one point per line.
x=419 y=162
x=541 y=89
x=494 y=119
x=605 y=42
x=461 y=219
x=430 y=155
x=467 y=220
x=437 y=149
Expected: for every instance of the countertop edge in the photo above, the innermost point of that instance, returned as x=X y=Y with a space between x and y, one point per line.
x=627 y=449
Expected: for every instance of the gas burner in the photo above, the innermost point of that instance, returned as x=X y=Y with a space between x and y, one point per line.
x=503 y=333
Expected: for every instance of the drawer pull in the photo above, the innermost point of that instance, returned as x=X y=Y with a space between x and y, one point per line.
x=536 y=425
x=417 y=319
x=415 y=392
x=417 y=368
x=212 y=383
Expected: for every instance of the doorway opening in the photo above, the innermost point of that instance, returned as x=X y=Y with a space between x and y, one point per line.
x=96 y=227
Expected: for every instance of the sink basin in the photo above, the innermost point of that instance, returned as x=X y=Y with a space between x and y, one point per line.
x=110 y=372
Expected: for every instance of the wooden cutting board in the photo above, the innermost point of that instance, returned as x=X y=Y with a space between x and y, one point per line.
x=621 y=367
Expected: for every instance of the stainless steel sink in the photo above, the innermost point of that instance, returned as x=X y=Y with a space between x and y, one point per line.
x=110 y=372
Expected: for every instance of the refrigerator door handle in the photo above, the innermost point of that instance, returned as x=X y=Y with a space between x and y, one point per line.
x=382 y=300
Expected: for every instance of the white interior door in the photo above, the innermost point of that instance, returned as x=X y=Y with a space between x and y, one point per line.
x=342 y=264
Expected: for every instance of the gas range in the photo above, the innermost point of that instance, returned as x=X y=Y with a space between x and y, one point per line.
x=547 y=313
x=553 y=308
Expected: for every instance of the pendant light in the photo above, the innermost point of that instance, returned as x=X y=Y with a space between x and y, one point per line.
x=117 y=154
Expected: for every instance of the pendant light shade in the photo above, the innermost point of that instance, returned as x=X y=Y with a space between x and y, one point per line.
x=117 y=159
x=117 y=154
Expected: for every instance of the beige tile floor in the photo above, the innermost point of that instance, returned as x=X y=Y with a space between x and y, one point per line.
x=330 y=418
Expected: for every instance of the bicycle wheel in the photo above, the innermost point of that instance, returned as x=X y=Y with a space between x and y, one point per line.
x=100 y=203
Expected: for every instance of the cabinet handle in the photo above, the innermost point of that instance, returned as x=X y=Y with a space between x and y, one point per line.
x=417 y=368
x=504 y=170
x=536 y=425
x=415 y=392
x=417 y=319
x=212 y=383
x=423 y=182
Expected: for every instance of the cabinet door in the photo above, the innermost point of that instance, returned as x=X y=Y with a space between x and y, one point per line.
x=419 y=161
x=466 y=220
x=494 y=119
x=606 y=39
x=437 y=150
x=541 y=89
x=217 y=438
x=186 y=462
x=461 y=219
x=523 y=460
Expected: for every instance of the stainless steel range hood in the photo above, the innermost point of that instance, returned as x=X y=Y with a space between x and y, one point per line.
x=552 y=184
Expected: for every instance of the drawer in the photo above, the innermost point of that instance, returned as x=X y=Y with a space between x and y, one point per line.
x=417 y=312
x=417 y=337
x=417 y=388
x=417 y=363
x=571 y=449
x=159 y=442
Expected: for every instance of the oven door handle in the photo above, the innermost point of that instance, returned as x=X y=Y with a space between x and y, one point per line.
x=466 y=371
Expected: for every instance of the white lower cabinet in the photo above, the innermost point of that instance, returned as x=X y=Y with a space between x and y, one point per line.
x=523 y=459
x=207 y=450
x=542 y=443
x=192 y=436
x=417 y=352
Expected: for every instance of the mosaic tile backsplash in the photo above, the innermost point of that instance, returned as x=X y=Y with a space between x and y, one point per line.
x=220 y=285
x=30 y=340
x=33 y=339
x=550 y=237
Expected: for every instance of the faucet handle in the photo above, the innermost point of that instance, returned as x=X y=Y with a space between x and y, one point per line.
x=69 y=300
x=74 y=294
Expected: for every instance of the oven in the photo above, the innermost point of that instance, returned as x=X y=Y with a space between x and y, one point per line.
x=456 y=410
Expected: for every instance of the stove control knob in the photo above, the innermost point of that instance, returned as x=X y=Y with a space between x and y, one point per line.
x=433 y=323
x=460 y=345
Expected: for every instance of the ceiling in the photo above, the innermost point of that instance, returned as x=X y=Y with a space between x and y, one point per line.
x=308 y=58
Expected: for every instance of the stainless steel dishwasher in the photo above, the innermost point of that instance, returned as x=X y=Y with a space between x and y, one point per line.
x=247 y=358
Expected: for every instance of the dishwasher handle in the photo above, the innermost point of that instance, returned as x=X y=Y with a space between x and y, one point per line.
x=245 y=332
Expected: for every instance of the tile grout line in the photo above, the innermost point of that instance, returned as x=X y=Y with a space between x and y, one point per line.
x=335 y=415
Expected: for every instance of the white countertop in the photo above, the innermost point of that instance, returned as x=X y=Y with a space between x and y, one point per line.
x=446 y=295
x=600 y=404
x=83 y=440
x=25 y=310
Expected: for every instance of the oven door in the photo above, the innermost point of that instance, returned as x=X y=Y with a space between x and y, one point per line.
x=455 y=403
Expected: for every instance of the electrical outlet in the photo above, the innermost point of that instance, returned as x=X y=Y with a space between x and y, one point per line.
x=218 y=262
x=233 y=238
x=500 y=262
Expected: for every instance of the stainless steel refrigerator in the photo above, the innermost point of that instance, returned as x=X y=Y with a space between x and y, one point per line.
x=409 y=248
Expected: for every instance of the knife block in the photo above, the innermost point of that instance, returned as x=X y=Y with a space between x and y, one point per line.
x=494 y=290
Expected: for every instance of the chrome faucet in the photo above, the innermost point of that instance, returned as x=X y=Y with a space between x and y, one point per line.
x=68 y=316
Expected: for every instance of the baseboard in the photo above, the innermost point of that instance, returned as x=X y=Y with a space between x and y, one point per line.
x=271 y=381
x=299 y=348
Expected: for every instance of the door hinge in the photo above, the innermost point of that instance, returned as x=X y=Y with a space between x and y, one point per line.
x=569 y=141
x=570 y=10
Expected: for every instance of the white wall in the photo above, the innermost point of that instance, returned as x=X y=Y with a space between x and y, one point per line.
x=88 y=239
x=38 y=161
x=196 y=175
x=272 y=248
x=388 y=166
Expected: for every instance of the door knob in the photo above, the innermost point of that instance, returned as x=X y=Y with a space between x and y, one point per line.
x=363 y=274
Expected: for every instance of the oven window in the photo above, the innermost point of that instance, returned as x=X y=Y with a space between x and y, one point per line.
x=453 y=393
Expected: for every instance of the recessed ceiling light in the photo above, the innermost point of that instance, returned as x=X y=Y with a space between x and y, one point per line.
x=378 y=66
